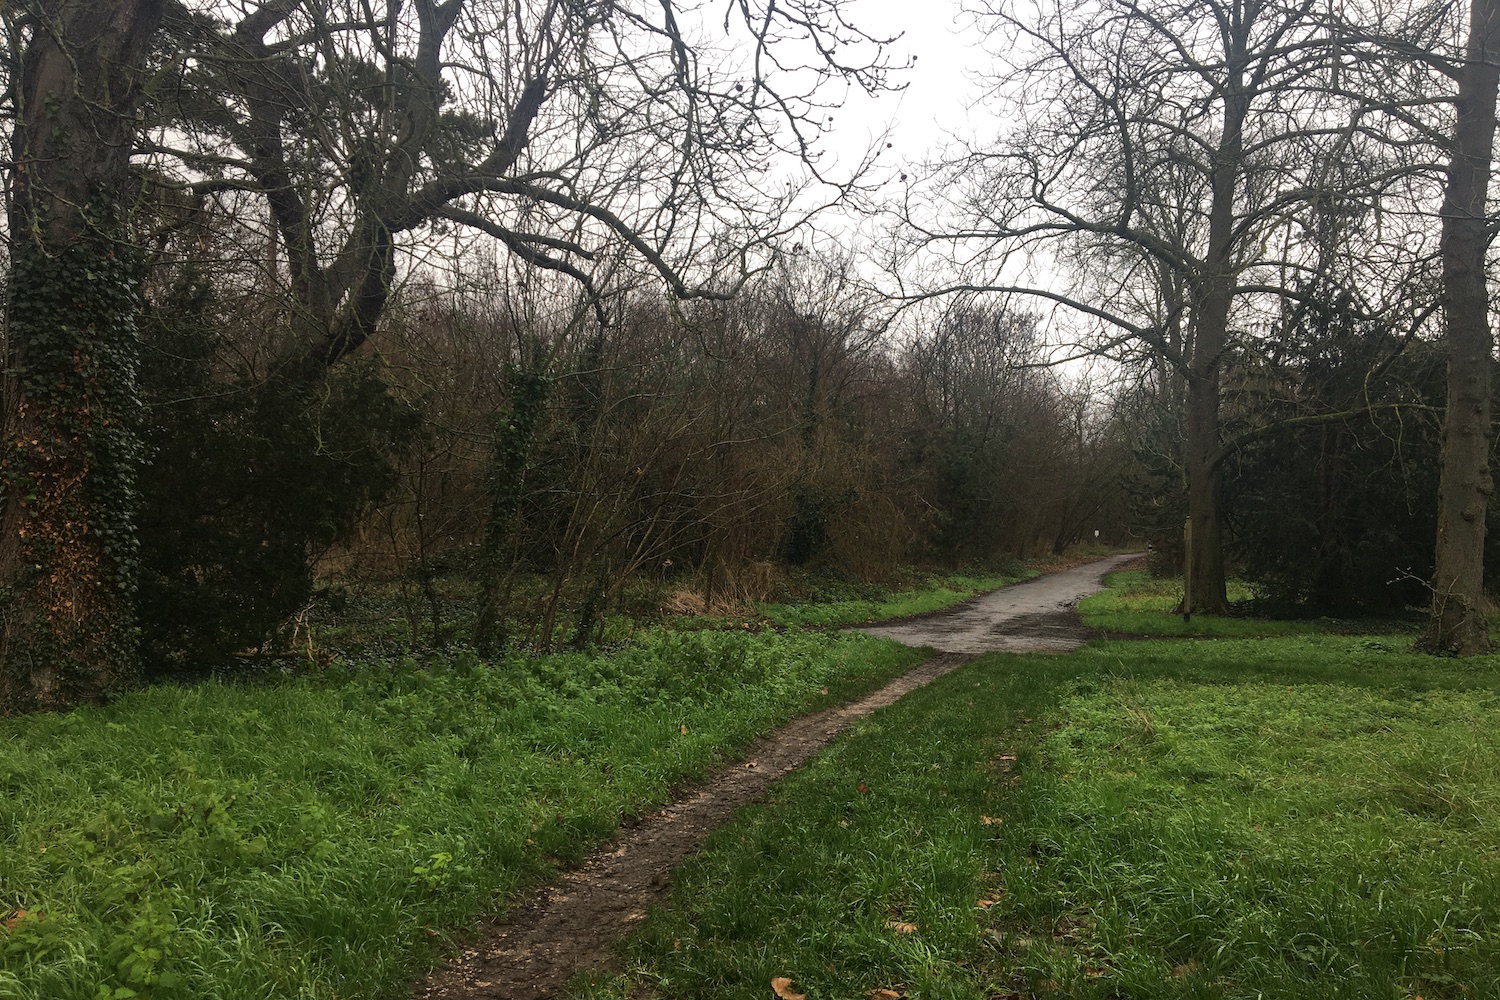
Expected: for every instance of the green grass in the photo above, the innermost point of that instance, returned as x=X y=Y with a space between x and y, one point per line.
x=317 y=838
x=1297 y=817
x=935 y=593
x=1139 y=604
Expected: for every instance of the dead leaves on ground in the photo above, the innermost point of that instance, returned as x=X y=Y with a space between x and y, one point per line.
x=14 y=918
x=782 y=987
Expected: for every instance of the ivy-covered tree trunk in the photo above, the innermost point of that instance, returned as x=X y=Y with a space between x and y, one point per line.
x=71 y=449
x=1457 y=623
x=515 y=436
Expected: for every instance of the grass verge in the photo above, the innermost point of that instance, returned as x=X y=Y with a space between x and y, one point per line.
x=933 y=594
x=316 y=838
x=1137 y=603
x=1300 y=816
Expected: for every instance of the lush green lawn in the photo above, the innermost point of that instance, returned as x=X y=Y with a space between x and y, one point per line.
x=1139 y=604
x=1298 y=816
x=314 y=838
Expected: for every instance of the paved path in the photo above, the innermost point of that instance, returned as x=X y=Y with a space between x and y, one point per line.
x=1032 y=617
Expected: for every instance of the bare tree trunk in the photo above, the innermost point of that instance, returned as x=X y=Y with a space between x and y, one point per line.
x=1205 y=552
x=67 y=538
x=1212 y=295
x=1457 y=623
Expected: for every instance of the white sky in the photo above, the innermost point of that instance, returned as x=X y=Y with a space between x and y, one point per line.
x=939 y=90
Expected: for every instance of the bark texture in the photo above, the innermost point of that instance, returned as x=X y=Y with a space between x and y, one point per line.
x=1457 y=623
x=1213 y=293
x=67 y=544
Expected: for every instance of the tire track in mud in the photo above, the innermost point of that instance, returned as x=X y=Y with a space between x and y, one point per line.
x=574 y=923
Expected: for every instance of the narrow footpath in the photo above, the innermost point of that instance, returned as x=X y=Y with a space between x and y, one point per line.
x=574 y=923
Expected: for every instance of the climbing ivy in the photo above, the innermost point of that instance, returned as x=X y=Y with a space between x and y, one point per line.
x=69 y=472
x=512 y=446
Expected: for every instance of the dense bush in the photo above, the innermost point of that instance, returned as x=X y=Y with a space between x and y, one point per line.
x=249 y=473
x=1334 y=505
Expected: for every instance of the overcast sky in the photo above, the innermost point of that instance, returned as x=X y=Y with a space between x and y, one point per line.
x=939 y=92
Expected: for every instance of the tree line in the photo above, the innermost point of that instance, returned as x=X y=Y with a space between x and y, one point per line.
x=536 y=272
x=1200 y=175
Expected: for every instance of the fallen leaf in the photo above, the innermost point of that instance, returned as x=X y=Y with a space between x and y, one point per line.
x=822 y=690
x=782 y=987
x=886 y=995
x=1095 y=973
x=1007 y=756
x=843 y=822
x=752 y=763
x=863 y=788
x=901 y=926
x=1186 y=969
x=990 y=820
x=10 y=922
x=985 y=904
x=677 y=944
x=684 y=730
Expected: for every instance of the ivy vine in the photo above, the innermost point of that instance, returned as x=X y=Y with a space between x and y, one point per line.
x=70 y=469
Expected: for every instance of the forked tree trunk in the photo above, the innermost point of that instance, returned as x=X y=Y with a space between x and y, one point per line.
x=1457 y=622
x=67 y=542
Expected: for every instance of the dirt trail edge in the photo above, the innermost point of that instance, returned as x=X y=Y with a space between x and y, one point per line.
x=574 y=923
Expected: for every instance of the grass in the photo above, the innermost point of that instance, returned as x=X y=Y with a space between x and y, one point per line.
x=1139 y=604
x=1299 y=816
x=391 y=620
x=318 y=837
x=932 y=594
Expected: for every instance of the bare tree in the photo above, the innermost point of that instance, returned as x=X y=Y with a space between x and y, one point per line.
x=361 y=143
x=1151 y=190
x=1434 y=83
x=1458 y=622
x=359 y=136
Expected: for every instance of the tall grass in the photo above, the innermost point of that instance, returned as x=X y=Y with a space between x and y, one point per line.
x=319 y=837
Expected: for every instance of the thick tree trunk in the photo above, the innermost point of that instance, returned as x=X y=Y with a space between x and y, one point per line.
x=1206 y=592
x=1213 y=293
x=1457 y=623
x=67 y=544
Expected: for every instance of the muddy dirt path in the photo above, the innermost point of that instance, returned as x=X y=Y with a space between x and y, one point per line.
x=574 y=923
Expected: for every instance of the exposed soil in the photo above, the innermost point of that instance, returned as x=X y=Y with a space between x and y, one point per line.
x=534 y=949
